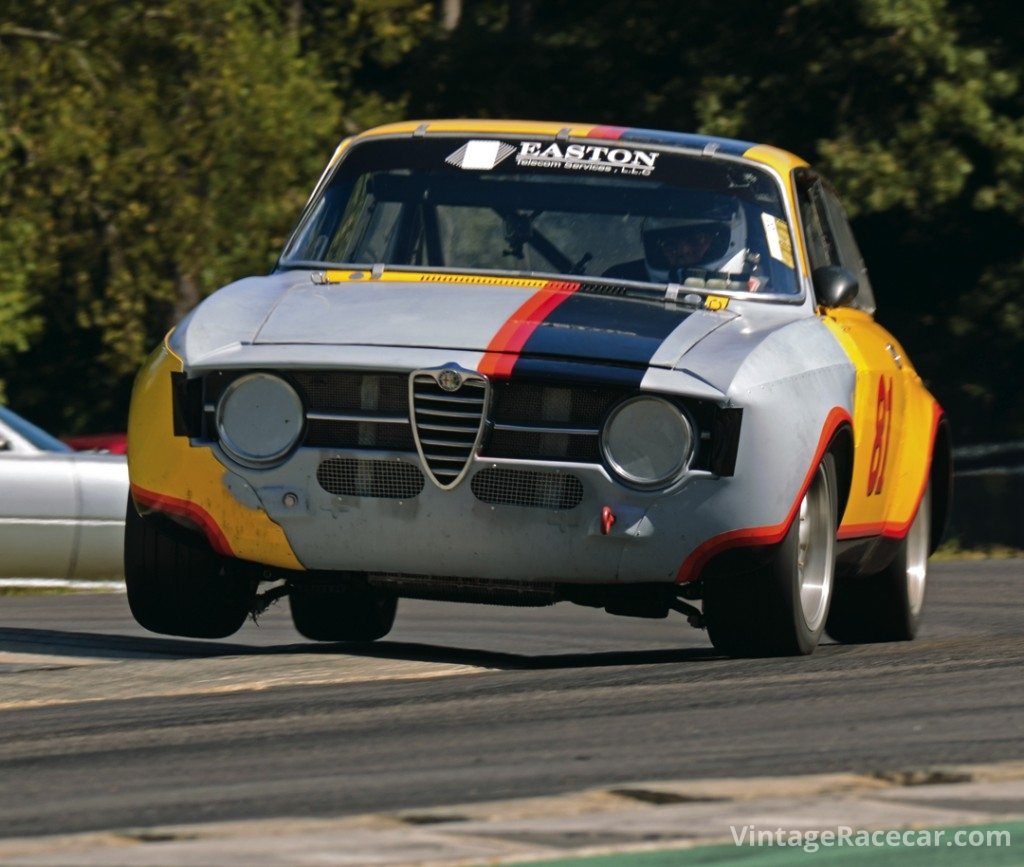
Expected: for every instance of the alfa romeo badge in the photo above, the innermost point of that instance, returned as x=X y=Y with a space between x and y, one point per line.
x=449 y=380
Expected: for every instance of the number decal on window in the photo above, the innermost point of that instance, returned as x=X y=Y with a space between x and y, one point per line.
x=883 y=431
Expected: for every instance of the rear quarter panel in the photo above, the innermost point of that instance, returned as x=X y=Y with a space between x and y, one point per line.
x=897 y=450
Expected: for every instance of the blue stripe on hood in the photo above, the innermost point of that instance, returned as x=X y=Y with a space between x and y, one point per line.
x=611 y=330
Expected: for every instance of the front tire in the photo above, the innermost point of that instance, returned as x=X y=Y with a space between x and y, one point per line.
x=780 y=609
x=177 y=585
x=886 y=606
x=342 y=613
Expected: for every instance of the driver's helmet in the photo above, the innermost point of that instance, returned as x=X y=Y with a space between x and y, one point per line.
x=712 y=237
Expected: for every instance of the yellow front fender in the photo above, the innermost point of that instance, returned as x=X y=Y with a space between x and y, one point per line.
x=169 y=474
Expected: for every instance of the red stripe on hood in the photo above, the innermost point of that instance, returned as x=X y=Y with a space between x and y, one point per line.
x=503 y=350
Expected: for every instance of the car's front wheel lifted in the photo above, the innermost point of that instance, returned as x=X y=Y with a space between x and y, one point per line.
x=886 y=606
x=780 y=608
x=177 y=585
x=349 y=612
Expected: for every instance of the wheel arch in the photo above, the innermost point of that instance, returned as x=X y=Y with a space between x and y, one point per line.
x=841 y=449
x=940 y=478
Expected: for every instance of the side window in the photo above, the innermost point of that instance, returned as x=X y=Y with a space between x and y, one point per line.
x=821 y=246
x=849 y=252
x=828 y=234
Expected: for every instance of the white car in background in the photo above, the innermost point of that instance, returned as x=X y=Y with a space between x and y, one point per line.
x=61 y=511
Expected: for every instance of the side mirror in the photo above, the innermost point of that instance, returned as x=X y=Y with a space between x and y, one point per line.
x=5 y=444
x=835 y=286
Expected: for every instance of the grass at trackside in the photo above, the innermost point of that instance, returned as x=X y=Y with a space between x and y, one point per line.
x=951 y=551
x=728 y=855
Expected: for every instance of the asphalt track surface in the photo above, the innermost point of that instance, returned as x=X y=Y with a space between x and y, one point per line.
x=493 y=703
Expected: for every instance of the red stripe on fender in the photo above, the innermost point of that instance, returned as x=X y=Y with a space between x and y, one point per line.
x=703 y=553
x=610 y=132
x=892 y=529
x=185 y=509
x=503 y=350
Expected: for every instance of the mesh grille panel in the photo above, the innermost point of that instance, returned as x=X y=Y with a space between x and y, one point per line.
x=509 y=487
x=362 y=434
x=349 y=477
x=530 y=403
x=337 y=391
x=543 y=446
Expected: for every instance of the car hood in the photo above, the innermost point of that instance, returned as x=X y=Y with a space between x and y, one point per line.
x=450 y=312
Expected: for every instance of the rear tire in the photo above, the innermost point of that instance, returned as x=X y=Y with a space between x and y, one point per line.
x=177 y=585
x=886 y=606
x=780 y=609
x=342 y=613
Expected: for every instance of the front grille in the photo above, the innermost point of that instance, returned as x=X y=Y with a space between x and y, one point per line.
x=447 y=424
x=530 y=403
x=501 y=486
x=549 y=422
x=323 y=433
x=527 y=420
x=353 y=392
x=349 y=395
x=531 y=445
x=350 y=477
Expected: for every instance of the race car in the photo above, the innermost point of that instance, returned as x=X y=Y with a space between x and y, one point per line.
x=525 y=363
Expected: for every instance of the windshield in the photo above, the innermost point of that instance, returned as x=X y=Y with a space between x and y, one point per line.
x=572 y=209
x=35 y=435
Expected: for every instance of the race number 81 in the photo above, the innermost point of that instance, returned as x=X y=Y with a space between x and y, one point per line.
x=883 y=431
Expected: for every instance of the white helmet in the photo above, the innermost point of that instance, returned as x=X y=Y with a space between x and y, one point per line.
x=721 y=222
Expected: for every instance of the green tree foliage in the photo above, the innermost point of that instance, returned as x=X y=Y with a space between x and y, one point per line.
x=361 y=46
x=914 y=109
x=150 y=152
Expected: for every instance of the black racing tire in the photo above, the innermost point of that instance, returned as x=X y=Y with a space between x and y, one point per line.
x=780 y=608
x=177 y=585
x=352 y=612
x=887 y=605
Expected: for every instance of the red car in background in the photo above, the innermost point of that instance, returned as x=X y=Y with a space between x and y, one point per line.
x=114 y=443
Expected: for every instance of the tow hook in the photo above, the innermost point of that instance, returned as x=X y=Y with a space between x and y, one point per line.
x=607 y=520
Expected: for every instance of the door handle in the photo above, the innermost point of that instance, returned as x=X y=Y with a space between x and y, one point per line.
x=896 y=357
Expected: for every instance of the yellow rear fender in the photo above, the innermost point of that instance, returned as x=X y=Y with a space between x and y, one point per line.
x=895 y=425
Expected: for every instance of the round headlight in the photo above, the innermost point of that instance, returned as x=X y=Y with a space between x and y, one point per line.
x=647 y=442
x=259 y=419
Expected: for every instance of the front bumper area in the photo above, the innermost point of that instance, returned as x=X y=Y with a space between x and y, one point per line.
x=454 y=533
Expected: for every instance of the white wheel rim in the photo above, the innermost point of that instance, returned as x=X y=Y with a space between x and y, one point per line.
x=917 y=555
x=816 y=542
